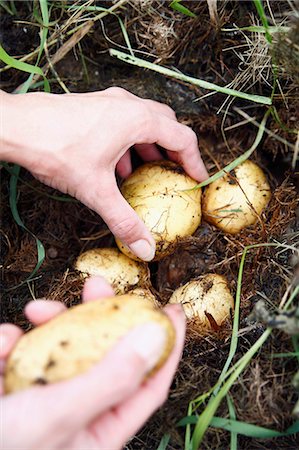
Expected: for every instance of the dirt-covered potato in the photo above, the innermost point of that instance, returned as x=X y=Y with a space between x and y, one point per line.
x=72 y=342
x=120 y=271
x=207 y=302
x=159 y=194
x=144 y=293
x=236 y=201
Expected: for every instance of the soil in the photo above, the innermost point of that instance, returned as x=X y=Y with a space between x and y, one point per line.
x=264 y=394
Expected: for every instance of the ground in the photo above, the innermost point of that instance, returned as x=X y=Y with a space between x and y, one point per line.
x=263 y=395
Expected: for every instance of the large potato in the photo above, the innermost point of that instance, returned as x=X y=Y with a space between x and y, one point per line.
x=160 y=194
x=119 y=270
x=233 y=204
x=207 y=302
x=72 y=342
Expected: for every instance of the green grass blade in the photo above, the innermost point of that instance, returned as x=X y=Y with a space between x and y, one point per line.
x=180 y=76
x=295 y=342
x=258 y=29
x=121 y=24
x=188 y=444
x=205 y=418
x=253 y=431
x=25 y=67
x=4 y=5
x=232 y=415
x=263 y=17
x=177 y=6
x=288 y=354
x=234 y=338
x=164 y=442
x=59 y=198
x=247 y=429
x=240 y=159
x=13 y=195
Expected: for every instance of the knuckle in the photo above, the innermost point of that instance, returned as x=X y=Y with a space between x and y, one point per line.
x=116 y=90
x=190 y=138
x=144 y=119
x=169 y=111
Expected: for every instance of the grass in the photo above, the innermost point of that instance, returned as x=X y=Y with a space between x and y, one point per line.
x=195 y=81
x=195 y=423
x=229 y=375
x=15 y=169
x=236 y=162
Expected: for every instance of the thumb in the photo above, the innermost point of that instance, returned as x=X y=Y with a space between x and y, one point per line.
x=121 y=219
x=111 y=381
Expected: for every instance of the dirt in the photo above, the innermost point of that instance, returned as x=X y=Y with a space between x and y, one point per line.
x=263 y=395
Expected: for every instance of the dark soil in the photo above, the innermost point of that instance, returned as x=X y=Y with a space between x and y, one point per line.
x=263 y=395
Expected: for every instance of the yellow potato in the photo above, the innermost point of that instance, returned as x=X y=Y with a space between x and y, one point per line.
x=160 y=194
x=206 y=301
x=72 y=342
x=144 y=293
x=233 y=205
x=119 y=270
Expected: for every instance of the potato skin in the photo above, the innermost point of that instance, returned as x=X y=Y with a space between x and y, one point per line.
x=207 y=302
x=119 y=270
x=145 y=293
x=225 y=204
x=72 y=342
x=159 y=194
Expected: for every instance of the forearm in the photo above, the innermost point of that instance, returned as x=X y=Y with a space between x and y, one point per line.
x=14 y=138
x=25 y=138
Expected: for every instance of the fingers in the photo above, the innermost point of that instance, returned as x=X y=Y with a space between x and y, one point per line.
x=122 y=220
x=131 y=414
x=148 y=152
x=9 y=335
x=177 y=138
x=96 y=288
x=110 y=382
x=40 y=311
x=124 y=165
x=170 y=134
x=155 y=107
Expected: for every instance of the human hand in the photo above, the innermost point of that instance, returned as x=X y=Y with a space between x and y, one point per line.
x=74 y=143
x=100 y=409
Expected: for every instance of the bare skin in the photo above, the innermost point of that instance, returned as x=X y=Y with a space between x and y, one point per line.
x=101 y=409
x=75 y=142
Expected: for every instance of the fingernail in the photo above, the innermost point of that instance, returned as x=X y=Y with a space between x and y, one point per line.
x=148 y=341
x=143 y=249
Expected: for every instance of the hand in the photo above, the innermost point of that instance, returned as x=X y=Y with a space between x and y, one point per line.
x=74 y=143
x=100 y=409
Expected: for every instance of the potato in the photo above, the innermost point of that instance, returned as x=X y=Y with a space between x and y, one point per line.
x=72 y=342
x=159 y=194
x=119 y=270
x=206 y=301
x=144 y=293
x=233 y=205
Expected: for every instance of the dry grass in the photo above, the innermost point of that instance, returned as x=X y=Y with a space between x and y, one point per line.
x=263 y=395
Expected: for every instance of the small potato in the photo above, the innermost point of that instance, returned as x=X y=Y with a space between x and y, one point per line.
x=72 y=342
x=144 y=293
x=231 y=204
x=160 y=193
x=207 y=302
x=119 y=270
